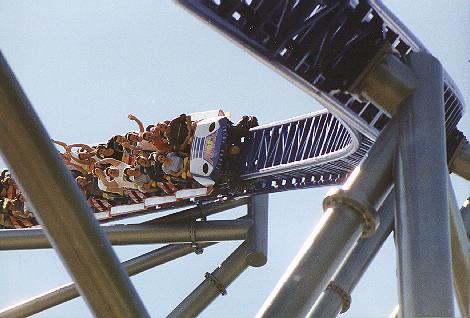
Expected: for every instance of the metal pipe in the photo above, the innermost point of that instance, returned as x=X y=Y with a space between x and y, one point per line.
x=209 y=231
x=312 y=268
x=69 y=291
x=422 y=218
x=460 y=254
x=200 y=211
x=336 y=297
x=60 y=207
x=351 y=212
x=257 y=240
x=214 y=285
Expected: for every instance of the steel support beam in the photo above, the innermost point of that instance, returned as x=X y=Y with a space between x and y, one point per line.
x=350 y=212
x=214 y=285
x=69 y=291
x=422 y=221
x=337 y=296
x=60 y=206
x=460 y=254
x=257 y=241
x=211 y=231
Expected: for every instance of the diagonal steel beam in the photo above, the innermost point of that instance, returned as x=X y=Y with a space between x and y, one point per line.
x=214 y=285
x=60 y=207
x=69 y=291
x=336 y=298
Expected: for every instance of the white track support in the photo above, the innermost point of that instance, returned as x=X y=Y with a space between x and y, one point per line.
x=460 y=254
x=349 y=213
x=422 y=221
x=69 y=291
x=337 y=296
x=60 y=206
x=200 y=211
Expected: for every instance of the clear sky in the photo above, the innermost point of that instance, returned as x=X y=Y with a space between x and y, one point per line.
x=86 y=65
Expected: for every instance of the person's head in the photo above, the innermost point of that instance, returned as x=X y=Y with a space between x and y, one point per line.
x=81 y=181
x=120 y=139
x=142 y=161
x=112 y=172
x=84 y=155
x=8 y=181
x=21 y=197
x=132 y=172
x=161 y=158
x=148 y=136
x=164 y=127
x=100 y=150
x=103 y=152
x=133 y=137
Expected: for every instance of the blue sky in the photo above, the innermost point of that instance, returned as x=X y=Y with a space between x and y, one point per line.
x=86 y=65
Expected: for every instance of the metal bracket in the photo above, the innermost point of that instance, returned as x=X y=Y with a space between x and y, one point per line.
x=345 y=296
x=386 y=81
x=364 y=209
x=220 y=287
x=192 y=233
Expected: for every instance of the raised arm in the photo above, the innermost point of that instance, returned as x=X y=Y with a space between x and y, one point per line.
x=83 y=146
x=138 y=122
x=77 y=167
x=100 y=175
x=111 y=161
x=83 y=162
x=62 y=144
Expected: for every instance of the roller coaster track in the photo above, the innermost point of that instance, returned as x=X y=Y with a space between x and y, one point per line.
x=322 y=46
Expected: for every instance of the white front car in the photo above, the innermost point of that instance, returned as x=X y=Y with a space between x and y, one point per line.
x=207 y=149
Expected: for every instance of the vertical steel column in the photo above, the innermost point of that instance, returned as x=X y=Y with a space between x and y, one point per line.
x=60 y=206
x=214 y=285
x=337 y=296
x=422 y=221
x=257 y=240
x=349 y=213
x=69 y=291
